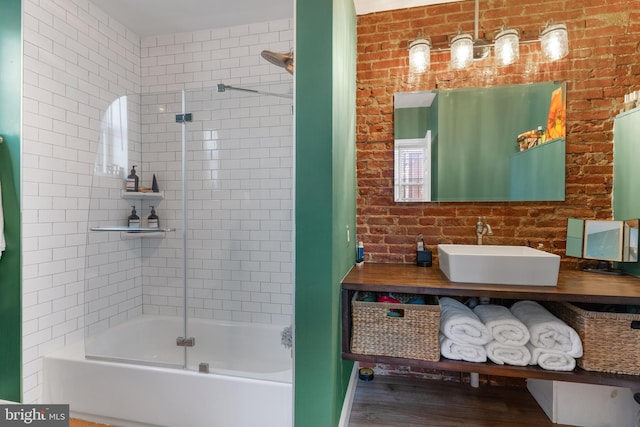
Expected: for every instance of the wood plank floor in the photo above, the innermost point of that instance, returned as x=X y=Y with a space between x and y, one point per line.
x=392 y=401
x=409 y=402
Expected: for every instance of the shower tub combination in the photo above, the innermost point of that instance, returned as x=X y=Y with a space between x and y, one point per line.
x=248 y=384
x=146 y=297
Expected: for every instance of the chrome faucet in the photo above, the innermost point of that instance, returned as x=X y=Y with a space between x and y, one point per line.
x=482 y=228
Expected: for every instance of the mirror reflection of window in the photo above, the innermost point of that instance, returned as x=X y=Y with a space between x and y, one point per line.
x=412 y=174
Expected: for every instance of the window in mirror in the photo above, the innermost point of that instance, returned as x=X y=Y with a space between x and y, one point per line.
x=412 y=174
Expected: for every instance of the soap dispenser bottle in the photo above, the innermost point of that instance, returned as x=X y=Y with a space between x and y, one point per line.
x=152 y=219
x=360 y=253
x=134 y=219
x=132 y=180
x=424 y=257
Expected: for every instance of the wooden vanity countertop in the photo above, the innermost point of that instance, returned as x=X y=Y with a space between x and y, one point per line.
x=573 y=285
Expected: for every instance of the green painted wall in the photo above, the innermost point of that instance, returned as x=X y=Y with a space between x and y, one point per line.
x=10 y=262
x=626 y=174
x=325 y=203
x=410 y=123
x=535 y=174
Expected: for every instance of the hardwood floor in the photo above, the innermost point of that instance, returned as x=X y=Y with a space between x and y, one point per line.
x=408 y=402
x=392 y=401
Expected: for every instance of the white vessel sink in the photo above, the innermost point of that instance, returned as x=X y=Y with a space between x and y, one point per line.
x=503 y=265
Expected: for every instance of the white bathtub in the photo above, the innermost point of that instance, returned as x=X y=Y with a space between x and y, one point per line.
x=249 y=383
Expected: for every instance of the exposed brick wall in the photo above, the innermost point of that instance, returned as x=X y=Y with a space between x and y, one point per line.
x=603 y=64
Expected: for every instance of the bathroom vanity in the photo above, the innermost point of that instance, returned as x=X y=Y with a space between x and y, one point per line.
x=572 y=286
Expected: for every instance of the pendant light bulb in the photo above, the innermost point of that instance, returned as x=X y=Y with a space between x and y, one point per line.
x=419 y=55
x=507 y=45
x=555 y=42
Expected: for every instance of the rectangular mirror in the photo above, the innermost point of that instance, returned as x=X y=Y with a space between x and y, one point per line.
x=503 y=143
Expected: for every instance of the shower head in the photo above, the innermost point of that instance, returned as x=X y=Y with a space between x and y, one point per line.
x=221 y=87
x=284 y=60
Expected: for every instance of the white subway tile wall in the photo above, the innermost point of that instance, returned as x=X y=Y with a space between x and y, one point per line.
x=239 y=199
x=77 y=62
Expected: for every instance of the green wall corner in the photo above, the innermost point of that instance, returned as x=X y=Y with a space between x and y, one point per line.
x=325 y=204
x=626 y=152
x=10 y=261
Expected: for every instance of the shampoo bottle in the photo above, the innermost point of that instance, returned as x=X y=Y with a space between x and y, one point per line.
x=152 y=219
x=134 y=219
x=132 y=180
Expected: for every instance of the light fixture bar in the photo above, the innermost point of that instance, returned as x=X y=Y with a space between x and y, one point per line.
x=465 y=49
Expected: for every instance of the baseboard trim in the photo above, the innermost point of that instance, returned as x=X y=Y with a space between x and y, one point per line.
x=349 y=396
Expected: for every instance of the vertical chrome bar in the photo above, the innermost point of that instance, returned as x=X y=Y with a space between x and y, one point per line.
x=184 y=220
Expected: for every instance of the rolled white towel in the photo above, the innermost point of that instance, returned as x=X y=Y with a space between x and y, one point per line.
x=550 y=359
x=547 y=331
x=459 y=323
x=511 y=355
x=461 y=351
x=504 y=327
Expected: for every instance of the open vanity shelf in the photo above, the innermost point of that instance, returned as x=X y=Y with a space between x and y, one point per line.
x=573 y=286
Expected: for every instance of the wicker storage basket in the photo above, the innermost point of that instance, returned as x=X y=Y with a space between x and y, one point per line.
x=414 y=335
x=611 y=341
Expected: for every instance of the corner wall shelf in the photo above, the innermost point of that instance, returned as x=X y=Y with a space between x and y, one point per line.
x=136 y=232
x=142 y=195
x=133 y=229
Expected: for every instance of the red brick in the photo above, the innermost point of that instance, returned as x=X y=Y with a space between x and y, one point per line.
x=603 y=65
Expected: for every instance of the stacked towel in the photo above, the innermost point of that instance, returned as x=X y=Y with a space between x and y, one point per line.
x=554 y=345
x=511 y=355
x=509 y=335
x=461 y=351
x=462 y=333
x=547 y=331
x=504 y=327
x=552 y=360
x=460 y=324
